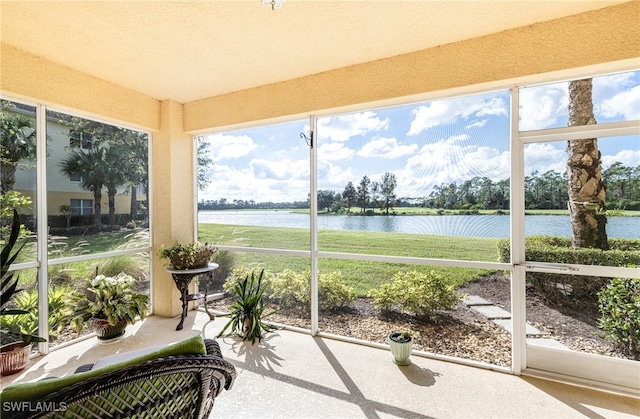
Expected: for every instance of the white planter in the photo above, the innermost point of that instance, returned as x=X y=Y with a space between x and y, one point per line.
x=401 y=350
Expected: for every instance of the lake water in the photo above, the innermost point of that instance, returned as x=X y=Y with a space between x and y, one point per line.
x=493 y=226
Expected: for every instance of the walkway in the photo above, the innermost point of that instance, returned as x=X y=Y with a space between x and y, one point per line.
x=502 y=318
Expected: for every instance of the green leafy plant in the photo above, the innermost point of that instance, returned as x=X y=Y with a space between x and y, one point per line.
x=619 y=303
x=187 y=256
x=248 y=311
x=9 y=286
x=403 y=336
x=239 y=274
x=110 y=298
x=291 y=288
x=27 y=301
x=416 y=293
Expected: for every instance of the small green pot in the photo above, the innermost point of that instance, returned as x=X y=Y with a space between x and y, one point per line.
x=401 y=350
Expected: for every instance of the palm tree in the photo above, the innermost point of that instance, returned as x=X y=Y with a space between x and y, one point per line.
x=115 y=175
x=18 y=139
x=90 y=165
x=585 y=186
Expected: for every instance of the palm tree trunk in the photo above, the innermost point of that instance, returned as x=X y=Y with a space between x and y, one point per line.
x=586 y=189
x=97 y=209
x=134 y=202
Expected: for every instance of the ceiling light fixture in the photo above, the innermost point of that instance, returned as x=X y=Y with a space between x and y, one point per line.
x=275 y=4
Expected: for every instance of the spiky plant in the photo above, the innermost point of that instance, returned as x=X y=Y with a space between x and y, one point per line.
x=248 y=311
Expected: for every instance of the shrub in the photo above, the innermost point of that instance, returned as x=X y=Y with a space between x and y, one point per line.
x=333 y=292
x=28 y=301
x=241 y=273
x=620 y=307
x=291 y=288
x=133 y=265
x=225 y=261
x=556 y=287
x=416 y=293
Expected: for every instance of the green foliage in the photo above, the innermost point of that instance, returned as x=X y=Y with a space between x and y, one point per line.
x=27 y=323
x=111 y=298
x=416 y=293
x=9 y=285
x=620 y=307
x=186 y=256
x=403 y=336
x=291 y=289
x=132 y=265
x=248 y=311
x=240 y=273
x=556 y=287
x=225 y=260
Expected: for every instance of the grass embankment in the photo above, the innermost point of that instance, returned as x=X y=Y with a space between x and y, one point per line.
x=361 y=275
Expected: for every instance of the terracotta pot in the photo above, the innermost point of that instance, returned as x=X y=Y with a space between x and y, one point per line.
x=105 y=331
x=14 y=357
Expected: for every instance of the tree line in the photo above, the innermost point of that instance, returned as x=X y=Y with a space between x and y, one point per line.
x=102 y=157
x=548 y=190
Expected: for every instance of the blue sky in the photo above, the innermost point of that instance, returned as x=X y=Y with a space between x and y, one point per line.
x=423 y=144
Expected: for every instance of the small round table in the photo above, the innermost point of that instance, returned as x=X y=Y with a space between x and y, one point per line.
x=182 y=278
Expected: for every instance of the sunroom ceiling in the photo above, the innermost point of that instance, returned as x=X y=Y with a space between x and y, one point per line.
x=189 y=50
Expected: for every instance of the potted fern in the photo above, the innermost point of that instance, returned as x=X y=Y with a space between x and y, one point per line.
x=187 y=256
x=401 y=344
x=15 y=346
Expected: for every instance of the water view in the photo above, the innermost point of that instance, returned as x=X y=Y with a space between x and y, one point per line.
x=490 y=226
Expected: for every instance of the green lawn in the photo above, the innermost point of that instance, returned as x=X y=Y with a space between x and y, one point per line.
x=361 y=275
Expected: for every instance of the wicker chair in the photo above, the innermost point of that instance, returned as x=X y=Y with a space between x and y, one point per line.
x=181 y=386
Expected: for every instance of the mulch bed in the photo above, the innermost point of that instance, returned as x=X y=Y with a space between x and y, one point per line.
x=461 y=332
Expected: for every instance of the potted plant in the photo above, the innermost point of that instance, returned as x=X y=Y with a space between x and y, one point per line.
x=401 y=344
x=15 y=346
x=248 y=311
x=109 y=304
x=187 y=256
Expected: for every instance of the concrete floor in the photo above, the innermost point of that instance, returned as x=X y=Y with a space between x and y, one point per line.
x=294 y=375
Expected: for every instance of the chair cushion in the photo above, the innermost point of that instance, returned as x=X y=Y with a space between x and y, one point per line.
x=34 y=391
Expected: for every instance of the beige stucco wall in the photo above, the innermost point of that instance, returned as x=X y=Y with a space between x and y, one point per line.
x=26 y=76
x=173 y=202
x=587 y=39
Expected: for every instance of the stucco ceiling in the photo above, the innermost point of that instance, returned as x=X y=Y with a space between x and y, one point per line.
x=188 y=50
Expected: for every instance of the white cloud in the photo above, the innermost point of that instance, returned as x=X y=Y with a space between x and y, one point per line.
x=477 y=124
x=625 y=104
x=225 y=146
x=629 y=158
x=342 y=128
x=542 y=106
x=388 y=148
x=544 y=157
x=441 y=112
x=450 y=161
x=261 y=180
x=336 y=175
x=334 y=151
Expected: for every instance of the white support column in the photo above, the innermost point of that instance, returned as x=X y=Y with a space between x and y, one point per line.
x=518 y=294
x=42 y=226
x=313 y=156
